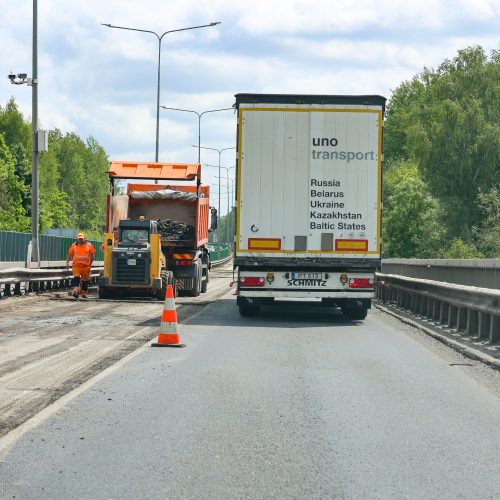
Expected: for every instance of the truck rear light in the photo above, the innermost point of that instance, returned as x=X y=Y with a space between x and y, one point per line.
x=361 y=283
x=251 y=281
x=183 y=263
x=182 y=259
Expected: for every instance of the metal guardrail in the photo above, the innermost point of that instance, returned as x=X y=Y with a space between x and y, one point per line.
x=38 y=280
x=469 y=310
x=221 y=262
x=484 y=273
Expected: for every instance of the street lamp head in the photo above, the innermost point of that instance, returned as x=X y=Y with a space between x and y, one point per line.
x=107 y=25
x=12 y=77
x=214 y=23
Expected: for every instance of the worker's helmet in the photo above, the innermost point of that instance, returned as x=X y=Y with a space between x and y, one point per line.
x=80 y=236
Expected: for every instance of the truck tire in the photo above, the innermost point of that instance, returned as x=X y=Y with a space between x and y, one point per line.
x=204 y=283
x=195 y=292
x=104 y=293
x=355 y=313
x=248 y=311
x=167 y=278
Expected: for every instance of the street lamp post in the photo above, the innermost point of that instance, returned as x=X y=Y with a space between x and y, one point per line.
x=200 y=147
x=159 y=37
x=219 y=167
x=227 y=169
x=229 y=195
x=199 y=121
x=228 y=215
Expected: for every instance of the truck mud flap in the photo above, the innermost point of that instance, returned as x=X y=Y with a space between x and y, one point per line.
x=184 y=284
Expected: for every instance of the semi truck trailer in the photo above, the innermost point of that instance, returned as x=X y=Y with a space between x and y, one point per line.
x=157 y=234
x=308 y=222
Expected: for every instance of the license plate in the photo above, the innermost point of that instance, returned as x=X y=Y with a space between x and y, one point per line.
x=131 y=262
x=307 y=276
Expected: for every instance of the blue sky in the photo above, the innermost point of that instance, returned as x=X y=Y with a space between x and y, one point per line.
x=102 y=82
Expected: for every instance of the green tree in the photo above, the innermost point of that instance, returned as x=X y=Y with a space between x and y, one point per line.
x=73 y=184
x=487 y=233
x=411 y=224
x=14 y=127
x=83 y=178
x=13 y=215
x=460 y=250
x=447 y=122
x=400 y=117
x=55 y=209
x=17 y=137
x=227 y=227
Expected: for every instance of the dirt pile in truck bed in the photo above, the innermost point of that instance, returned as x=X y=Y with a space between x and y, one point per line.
x=175 y=230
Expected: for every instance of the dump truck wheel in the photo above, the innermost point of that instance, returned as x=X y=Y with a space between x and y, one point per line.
x=195 y=292
x=204 y=283
x=103 y=293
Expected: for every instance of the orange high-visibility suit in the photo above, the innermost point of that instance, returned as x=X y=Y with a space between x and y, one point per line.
x=82 y=253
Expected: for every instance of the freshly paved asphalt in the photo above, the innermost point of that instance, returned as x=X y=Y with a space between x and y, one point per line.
x=297 y=403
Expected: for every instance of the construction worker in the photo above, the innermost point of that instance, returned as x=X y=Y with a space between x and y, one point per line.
x=82 y=253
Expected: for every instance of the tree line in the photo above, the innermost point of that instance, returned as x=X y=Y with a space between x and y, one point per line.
x=441 y=169
x=72 y=178
x=442 y=161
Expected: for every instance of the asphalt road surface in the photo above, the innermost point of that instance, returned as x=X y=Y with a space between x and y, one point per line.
x=50 y=343
x=296 y=403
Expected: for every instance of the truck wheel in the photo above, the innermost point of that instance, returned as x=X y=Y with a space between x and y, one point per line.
x=204 y=283
x=247 y=311
x=167 y=278
x=103 y=293
x=355 y=312
x=195 y=292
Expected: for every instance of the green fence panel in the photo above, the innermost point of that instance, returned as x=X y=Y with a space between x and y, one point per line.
x=222 y=254
x=13 y=246
x=56 y=248
x=99 y=254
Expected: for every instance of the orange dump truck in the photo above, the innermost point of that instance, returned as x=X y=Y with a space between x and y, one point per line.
x=157 y=234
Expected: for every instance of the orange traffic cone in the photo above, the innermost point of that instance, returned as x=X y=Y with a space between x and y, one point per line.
x=168 y=335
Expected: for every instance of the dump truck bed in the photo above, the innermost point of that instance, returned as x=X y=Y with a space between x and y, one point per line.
x=187 y=207
x=182 y=216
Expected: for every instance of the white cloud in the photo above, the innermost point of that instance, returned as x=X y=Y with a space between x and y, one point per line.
x=102 y=82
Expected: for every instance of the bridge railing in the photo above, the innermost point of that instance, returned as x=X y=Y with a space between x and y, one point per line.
x=442 y=291
x=483 y=273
